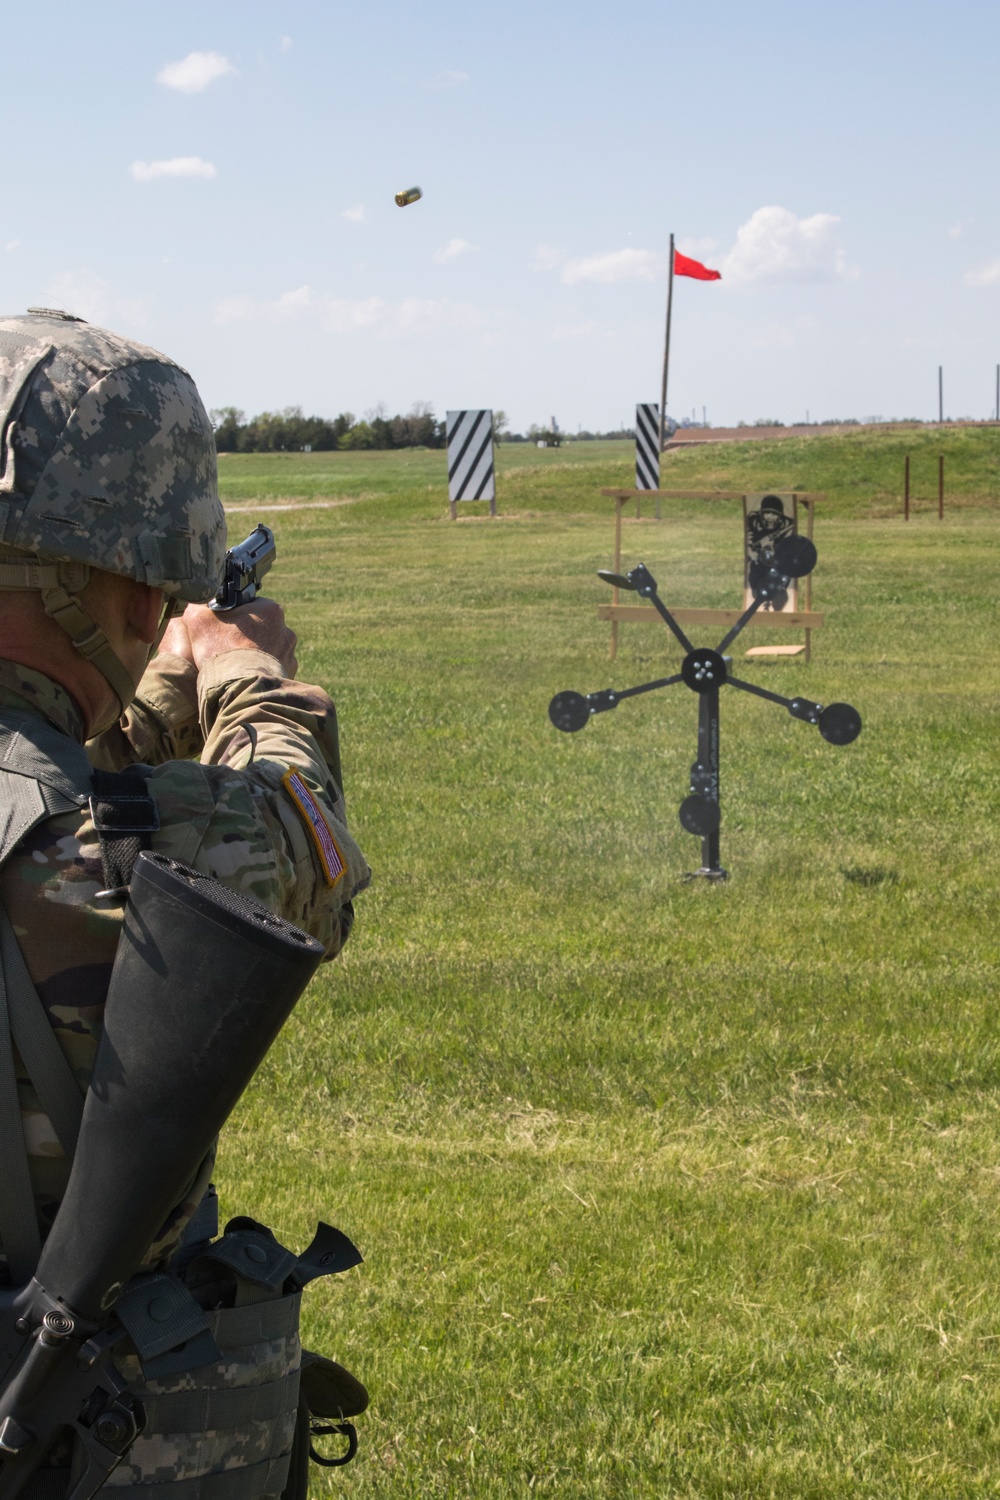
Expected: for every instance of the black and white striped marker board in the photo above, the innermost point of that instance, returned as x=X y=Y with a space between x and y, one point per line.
x=647 y=446
x=471 y=474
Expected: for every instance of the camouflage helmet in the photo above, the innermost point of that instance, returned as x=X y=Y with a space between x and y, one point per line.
x=106 y=456
x=107 y=461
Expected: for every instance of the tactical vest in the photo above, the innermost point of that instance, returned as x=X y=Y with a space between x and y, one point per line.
x=211 y=1345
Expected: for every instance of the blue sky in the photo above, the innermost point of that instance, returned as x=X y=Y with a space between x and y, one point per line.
x=218 y=179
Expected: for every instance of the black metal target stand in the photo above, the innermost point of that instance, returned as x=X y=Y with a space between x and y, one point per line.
x=705 y=671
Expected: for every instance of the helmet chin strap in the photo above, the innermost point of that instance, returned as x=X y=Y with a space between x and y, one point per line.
x=60 y=585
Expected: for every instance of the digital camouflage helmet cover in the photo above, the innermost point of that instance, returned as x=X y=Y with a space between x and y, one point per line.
x=107 y=461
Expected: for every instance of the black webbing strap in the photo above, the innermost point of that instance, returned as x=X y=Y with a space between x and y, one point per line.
x=21 y=1240
x=124 y=816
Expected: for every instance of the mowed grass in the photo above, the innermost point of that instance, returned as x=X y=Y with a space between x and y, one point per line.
x=861 y=473
x=664 y=1189
x=414 y=482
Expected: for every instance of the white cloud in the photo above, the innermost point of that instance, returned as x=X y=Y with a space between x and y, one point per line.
x=89 y=296
x=414 y=315
x=12 y=245
x=453 y=250
x=177 y=166
x=777 y=248
x=195 y=72
x=615 y=265
x=988 y=275
x=285 y=45
x=355 y=215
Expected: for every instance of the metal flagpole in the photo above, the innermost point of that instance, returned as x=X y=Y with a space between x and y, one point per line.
x=666 y=346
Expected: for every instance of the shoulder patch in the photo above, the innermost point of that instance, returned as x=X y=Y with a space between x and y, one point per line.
x=330 y=857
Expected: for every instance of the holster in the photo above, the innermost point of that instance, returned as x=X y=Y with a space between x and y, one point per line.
x=202 y=982
x=240 y=1424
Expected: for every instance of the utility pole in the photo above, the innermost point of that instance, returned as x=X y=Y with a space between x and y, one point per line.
x=940 y=395
x=998 y=393
x=666 y=347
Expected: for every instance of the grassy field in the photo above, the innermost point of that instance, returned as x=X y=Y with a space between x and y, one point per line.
x=664 y=1190
x=860 y=472
x=415 y=483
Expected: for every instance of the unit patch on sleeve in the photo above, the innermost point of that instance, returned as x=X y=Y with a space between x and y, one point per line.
x=330 y=856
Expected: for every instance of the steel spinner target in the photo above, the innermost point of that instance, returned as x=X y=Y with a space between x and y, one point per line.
x=704 y=671
x=569 y=711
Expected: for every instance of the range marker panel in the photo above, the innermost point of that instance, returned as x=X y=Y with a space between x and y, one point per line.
x=471 y=472
x=647 y=446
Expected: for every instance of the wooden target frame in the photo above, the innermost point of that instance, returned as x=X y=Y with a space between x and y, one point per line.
x=791 y=615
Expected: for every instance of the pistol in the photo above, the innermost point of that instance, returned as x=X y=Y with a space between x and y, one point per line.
x=245 y=569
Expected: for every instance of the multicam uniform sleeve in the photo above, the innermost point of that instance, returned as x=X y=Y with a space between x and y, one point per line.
x=279 y=827
x=161 y=723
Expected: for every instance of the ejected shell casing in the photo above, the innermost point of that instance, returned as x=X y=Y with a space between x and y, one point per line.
x=408 y=195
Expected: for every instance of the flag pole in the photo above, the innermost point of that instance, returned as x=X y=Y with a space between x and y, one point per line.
x=666 y=346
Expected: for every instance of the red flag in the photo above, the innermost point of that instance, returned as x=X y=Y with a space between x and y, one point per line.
x=685 y=266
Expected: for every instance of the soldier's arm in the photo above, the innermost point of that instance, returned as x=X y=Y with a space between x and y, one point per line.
x=278 y=826
x=161 y=723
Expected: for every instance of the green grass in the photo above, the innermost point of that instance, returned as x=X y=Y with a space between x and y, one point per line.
x=415 y=482
x=860 y=472
x=664 y=1190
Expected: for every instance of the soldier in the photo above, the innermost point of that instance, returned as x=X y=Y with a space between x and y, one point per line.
x=111 y=524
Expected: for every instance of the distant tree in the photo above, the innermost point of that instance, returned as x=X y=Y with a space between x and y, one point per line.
x=421 y=428
x=227 y=421
x=500 y=423
x=289 y=430
x=358 y=436
x=381 y=432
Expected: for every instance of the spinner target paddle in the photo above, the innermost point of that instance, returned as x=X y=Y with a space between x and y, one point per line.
x=704 y=671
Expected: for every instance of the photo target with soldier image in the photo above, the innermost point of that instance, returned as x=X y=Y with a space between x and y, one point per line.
x=767 y=521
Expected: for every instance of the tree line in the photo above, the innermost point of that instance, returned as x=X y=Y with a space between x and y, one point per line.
x=289 y=431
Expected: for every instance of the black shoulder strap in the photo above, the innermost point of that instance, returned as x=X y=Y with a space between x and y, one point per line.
x=124 y=816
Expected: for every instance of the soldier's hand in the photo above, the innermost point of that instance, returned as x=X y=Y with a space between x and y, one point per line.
x=176 y=641
x=259 y=626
